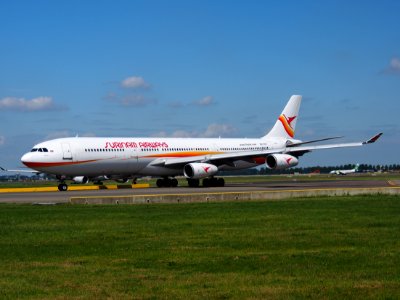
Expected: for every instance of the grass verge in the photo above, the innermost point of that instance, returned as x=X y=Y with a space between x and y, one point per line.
x=345 y=247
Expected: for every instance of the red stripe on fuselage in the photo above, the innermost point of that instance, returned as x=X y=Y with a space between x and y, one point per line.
x=33 y=165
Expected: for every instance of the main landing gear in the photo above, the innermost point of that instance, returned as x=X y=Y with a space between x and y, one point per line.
x=213 y=182
x=207 y=182
x=167 y=182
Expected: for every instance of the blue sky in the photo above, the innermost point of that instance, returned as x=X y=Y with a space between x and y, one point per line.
x=200 y=69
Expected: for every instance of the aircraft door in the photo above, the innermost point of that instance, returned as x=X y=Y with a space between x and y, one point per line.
x=133 y=160
x=215 y=148
x=67 y=154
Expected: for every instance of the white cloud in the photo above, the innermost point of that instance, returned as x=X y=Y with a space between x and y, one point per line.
x=136 y=100
x=205 y=101
x=176 y=104
x=66 y=133
x=160 y=134
x=134 y=82
x=394 y=66
x=176 y=134
x=213 y=130
x=21 y=104
x=184 y=134
x=58 y=134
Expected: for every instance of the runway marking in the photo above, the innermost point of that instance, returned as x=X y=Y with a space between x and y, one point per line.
x=74 y=188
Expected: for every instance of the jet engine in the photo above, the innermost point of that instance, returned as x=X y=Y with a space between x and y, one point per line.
x=199 y=170
x=80 y=179
x=281 y=161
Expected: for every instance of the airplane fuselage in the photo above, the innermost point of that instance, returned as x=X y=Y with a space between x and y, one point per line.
x=93 y=156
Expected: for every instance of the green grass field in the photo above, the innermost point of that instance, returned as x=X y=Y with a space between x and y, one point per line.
x=347 y=247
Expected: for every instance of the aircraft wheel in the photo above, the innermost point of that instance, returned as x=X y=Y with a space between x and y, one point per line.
x=174 y=182
x=220 y=182
x=160 y=183
x=193 y=182
x=62 y=187
x=166 y=182
x=206 y=182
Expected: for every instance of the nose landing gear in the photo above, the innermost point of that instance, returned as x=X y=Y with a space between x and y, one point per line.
x=62 y=187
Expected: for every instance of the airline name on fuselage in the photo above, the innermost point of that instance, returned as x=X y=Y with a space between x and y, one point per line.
x=127 y=145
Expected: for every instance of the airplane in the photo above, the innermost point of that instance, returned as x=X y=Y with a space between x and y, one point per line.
x=345 y=172
x=85 y=159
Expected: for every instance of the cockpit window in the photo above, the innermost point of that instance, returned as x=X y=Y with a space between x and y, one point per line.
x=40 y=150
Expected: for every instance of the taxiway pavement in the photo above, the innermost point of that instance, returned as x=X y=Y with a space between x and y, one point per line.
x=290 y=184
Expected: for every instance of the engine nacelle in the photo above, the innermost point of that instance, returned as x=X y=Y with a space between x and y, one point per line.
x=199 y=170
x=80 y=179
x=281 y=161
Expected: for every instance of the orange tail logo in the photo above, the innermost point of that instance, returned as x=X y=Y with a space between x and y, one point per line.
x=286 y=122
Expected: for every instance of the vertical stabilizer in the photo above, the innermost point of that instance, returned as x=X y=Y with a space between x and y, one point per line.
x=286 y=123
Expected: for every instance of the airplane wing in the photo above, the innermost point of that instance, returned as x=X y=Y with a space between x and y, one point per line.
x=332 y=146
x=230 y=158
x=217 y=159
x=313 y=141
x=21 y=171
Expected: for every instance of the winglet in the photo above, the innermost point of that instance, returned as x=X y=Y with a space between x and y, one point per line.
x=373 y=139
x=3 y=169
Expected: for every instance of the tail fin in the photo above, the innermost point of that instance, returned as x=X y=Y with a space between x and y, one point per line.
x=286 y=123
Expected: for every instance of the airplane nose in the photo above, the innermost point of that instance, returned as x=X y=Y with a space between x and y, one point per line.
x=25 y=158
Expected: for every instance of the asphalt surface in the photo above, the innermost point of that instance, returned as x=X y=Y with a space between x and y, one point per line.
x=290 y=184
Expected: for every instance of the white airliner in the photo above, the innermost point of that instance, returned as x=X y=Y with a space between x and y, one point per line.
x=100 y=158
x=345 y=172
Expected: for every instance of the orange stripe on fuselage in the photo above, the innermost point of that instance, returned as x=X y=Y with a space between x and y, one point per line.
x=182 y=154
x=289 y=130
